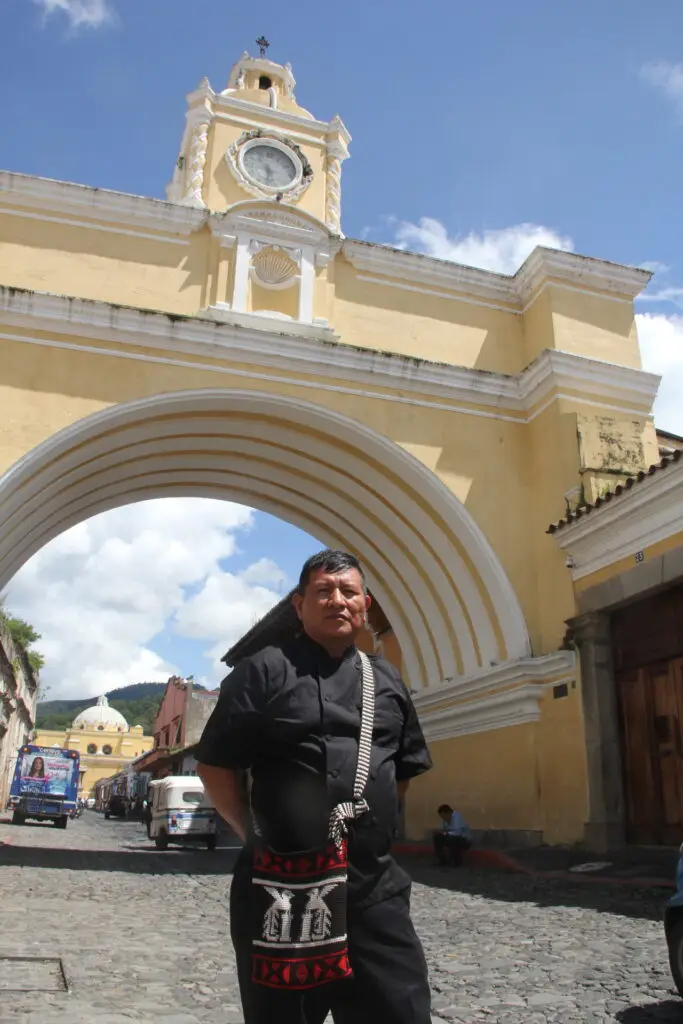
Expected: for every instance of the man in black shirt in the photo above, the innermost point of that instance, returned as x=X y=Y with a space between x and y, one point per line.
x=290 y=715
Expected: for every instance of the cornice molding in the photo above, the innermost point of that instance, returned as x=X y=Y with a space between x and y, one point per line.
x=560 y=666
x=315 y=350
x=119 y=208
x=509 y=293
x=499 y=711
x=412 y=267
x=585 y=271
x=645 y=515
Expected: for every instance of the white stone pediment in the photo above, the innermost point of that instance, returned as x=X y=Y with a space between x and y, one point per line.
x=271 y=222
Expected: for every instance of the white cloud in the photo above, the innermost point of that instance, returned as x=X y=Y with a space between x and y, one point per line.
x=668 y=79
x=224 y=609
x=102 y=591
x=502 y=250
x=661 y=344
x=671 y=294
x=81 y=13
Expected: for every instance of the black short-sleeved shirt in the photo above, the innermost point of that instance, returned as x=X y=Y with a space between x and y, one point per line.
x=292 y=716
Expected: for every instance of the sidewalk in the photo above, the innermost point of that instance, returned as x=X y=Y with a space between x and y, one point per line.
x=633 y=865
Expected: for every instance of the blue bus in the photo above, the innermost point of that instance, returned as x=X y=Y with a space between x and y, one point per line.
x=45 y=784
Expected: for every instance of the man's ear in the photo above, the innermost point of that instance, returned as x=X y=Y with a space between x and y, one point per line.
x=297 y=601
x=368 y=602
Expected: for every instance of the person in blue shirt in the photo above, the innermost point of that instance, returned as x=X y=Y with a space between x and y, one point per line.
x=453 y=838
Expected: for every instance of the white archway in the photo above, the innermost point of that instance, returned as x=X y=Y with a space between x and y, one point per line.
x=449 y=601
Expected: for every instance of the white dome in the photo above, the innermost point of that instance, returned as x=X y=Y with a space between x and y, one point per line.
x=100 y=714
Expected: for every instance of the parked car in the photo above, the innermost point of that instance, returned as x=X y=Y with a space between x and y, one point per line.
x=116 y=808
x=673 y=927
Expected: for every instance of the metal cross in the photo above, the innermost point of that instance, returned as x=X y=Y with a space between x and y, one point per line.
x=263 y=45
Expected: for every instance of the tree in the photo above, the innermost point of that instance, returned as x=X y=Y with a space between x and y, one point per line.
x=24 y=636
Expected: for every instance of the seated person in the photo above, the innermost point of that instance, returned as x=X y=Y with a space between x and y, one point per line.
x=453 y=838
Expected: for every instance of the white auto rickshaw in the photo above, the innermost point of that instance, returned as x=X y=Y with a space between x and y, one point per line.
x=180 y=812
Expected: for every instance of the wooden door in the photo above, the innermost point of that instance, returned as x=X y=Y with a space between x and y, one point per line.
x=651 y=717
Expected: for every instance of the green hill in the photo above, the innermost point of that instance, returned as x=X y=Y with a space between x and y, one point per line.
x=138 y=703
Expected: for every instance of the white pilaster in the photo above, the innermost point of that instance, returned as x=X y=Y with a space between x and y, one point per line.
x=241 y=285
x=306 y=284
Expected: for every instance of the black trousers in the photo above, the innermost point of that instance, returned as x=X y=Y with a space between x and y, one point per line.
x=449 y=848
x=389 y=981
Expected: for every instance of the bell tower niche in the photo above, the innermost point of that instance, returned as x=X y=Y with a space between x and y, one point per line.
x=254 y=141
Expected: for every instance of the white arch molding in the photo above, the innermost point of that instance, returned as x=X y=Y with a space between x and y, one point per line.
x=449 y=601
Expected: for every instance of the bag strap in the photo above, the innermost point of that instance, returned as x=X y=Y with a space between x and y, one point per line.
x=367 y=723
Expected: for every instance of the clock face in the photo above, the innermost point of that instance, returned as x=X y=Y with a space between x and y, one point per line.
x=269 y=166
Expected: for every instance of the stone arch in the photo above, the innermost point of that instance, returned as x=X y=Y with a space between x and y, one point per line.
x=449 y=601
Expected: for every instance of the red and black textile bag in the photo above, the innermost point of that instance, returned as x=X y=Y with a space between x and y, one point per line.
x=299 y=900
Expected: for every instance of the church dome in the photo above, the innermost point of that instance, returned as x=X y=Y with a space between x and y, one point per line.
x=101 y=716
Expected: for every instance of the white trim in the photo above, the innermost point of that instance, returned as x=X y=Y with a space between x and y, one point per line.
x=524 y=670
x=250 y=123
x=313 y=349
x=510 y=293
x=102 y=204
x=650 y=512
x=112 y=229
x=601 y=275
x=498 y=711
x=231 y=102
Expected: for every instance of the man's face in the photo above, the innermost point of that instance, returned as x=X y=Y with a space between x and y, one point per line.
x=333 y=606
x=445 y=815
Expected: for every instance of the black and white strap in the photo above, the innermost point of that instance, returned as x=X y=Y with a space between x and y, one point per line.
x=354 y=808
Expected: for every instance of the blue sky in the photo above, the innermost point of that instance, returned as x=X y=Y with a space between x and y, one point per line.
x=478 y=129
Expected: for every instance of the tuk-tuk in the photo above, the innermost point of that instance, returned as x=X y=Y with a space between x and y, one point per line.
x=180 y=812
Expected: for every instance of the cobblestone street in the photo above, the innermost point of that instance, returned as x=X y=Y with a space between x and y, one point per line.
x=143 y=937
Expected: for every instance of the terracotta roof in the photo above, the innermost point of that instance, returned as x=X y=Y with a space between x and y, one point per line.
x=631 y=481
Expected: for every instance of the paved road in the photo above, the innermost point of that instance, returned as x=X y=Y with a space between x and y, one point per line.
x=143 y=937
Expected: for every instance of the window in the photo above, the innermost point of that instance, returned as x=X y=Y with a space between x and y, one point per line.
x=92 y=748
x=264 y=82
x=192 y=797
x=100 y=728
x=106 y=749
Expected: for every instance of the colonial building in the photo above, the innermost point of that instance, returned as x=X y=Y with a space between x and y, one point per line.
x=431 y=417
x=182 y=715
x=18 y=697
x=103 y=738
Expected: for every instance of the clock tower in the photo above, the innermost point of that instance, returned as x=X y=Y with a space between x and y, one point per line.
x=253 y=140
x=269 y=176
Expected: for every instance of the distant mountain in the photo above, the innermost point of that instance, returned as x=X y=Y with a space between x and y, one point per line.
x=138 y=703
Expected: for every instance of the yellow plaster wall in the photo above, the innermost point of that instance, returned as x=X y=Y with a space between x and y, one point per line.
x=106 y=266
x=562 y=768
x=491 y=778
x=394 y=319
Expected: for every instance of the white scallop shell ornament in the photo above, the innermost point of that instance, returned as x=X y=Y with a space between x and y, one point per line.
x=273 y=267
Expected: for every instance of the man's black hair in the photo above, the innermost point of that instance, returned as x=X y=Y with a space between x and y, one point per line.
x=445 y=809
x=329 y=560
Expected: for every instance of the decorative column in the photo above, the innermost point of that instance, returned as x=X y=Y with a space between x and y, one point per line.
x=604 y=829
x=195 y=168
x=337 y=151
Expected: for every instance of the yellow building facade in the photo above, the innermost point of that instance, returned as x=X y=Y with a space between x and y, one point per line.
x=104 y=740
x=433 y=418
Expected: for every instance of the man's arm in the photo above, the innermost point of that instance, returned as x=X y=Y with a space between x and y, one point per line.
x=402 y=788
x=224 y=788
